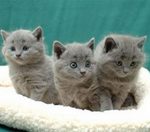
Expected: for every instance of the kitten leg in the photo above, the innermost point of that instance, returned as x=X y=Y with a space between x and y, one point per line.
x=106 y=103
x=94 y=102
x=37 y=93
x=129 y=101
x=118 y=100
x=100 y=100
x=105 y=100
x=93 y=97
x=87 y=99
x=24 y=92
x=81 y=99
x=66 y=99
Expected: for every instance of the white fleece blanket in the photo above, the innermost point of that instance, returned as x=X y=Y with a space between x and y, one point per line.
x=23 y=113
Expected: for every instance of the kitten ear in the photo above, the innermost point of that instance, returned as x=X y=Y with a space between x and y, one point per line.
x=38 y=33
x=109 y=44
x=141 y=41
x=58 y=48
x=91 y=43
x=4 y=34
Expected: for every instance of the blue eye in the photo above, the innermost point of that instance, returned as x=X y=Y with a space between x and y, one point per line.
x=119 y=63
x=25 y=48
x=73 y=65
x=87 y=64
x=12 y=48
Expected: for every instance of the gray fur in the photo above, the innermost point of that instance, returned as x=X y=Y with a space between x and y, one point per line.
x=73 y=83
x=29 y=68
x=116 y=81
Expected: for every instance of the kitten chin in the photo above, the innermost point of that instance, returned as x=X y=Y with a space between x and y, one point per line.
x=119 y=58
x=29 y=68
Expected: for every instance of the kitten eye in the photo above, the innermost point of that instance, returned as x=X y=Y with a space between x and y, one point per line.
x=73 y=65
x=119 y=63
x=25 y=48
x=87 y=64
x=133 y=63
x=12 y=48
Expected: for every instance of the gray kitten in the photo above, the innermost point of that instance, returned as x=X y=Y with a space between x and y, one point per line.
x=74 y=69
x=29 y=68
x=119 y=58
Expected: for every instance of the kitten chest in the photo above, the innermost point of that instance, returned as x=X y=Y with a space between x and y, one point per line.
x=115 y=87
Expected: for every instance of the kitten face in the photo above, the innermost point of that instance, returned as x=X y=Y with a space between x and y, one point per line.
x=124 y=54
x=74 y=61
x=23 y=46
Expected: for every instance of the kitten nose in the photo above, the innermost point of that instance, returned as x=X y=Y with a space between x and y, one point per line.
x=18 y=55
x=125 y=70
x=82 y=72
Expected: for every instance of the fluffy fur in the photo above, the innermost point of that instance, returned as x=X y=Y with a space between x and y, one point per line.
x=74 y=69
x=119 y=58
x=29 y=68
